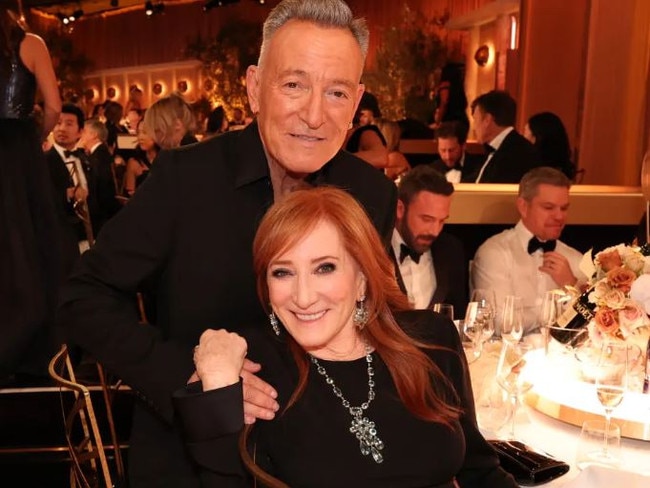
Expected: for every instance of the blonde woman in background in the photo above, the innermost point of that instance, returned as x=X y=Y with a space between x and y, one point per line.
x=170 y=122
x=397 y=162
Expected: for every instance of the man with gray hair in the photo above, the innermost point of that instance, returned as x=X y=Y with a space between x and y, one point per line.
x=188 y=231
x=102 y=203
x=529 y=259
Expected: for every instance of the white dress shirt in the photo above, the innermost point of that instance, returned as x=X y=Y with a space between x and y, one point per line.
x=419 y=278
x=502 y=263
x=496 y=144
x=454 y=175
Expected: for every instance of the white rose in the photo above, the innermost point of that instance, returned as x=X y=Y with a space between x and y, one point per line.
x=614 y=299
x=640 y=291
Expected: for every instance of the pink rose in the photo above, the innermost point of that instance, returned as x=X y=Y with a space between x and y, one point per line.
x=609 y=260
x=607 y=321
x=621 y=278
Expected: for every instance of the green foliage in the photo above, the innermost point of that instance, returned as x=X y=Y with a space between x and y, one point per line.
x=408 y=59
x=225 y=59
x=70 y=66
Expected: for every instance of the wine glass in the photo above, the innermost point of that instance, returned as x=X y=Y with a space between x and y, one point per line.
x=611 y=384
x=512 y=375
x=512 y=326
x=485 y=311
x=548 y=315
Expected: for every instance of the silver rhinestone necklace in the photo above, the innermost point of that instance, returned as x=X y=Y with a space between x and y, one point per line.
x=363 y=428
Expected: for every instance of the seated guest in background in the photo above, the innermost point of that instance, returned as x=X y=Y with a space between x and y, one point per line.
x=364 y=138
x=327 y=284
x=102 y=203
x=132 y=119
x=238 y=119
x=430 y=265
x=546 y=132
x=170 y=122
x=188 y=231
x=510 y=155
x=138 y=166
x=113 y=112
x=455 y=163
x=529 y=259
x=397 y=162
x=217 y=122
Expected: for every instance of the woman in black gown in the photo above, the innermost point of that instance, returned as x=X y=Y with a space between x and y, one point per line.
x=29 y=254
x=371 y=393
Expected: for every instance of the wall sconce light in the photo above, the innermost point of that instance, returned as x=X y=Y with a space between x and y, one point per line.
x=183 y=86
x=112 y=92
x=158 y=88
x=482 y=55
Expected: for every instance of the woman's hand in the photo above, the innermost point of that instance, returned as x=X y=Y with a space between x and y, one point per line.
x=219 y=358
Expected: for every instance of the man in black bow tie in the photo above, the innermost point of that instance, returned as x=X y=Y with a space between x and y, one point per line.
x=430 y=265
x=509 y=154
x=528 y=259
x=455 y=163
x=70 y=186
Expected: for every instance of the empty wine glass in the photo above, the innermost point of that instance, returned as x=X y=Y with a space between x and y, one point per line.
x=512 y=326
x=548 y=314
x=485 y=311
x=512 y=376
x=611 y=384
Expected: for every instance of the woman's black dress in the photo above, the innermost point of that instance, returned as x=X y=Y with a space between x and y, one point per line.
x=30 y=270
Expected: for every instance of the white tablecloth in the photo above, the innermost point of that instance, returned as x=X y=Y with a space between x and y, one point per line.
x=560 y=439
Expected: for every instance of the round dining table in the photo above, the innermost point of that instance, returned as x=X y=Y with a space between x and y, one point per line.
x=556 y=438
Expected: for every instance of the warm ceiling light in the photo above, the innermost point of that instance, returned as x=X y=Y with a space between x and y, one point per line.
x=151 y=9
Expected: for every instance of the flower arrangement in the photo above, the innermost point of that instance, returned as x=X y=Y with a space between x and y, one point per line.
x=621 y=293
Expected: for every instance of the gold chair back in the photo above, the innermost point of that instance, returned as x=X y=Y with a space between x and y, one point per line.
x=89 y=466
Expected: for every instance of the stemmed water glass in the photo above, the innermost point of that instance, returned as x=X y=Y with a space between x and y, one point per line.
x=512 y=325
x=611 y=384
x=484 y=312
x=549 y=312
x=512 y=375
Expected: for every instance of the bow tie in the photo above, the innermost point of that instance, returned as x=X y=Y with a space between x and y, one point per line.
x=534 y=244
x=407 y=251
x=71 y=154
x=488 y=149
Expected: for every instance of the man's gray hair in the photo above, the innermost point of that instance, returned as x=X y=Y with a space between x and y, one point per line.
x=325 y=13
x=543 y=175
x=98 y=127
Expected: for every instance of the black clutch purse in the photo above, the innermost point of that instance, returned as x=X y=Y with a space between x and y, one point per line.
x=528 y=467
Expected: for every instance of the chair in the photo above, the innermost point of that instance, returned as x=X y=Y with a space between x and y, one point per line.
x=89 y=466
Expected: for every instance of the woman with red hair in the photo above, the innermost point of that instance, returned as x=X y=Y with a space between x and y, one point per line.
x=371 y=392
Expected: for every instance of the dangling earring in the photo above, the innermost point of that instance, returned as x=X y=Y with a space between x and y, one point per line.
x=360 y=317
x=274 y=323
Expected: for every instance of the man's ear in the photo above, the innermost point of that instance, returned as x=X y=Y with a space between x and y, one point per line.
x=522 y=206
x=253 y=88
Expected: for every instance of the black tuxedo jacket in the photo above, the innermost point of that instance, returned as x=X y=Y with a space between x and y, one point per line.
x=451 y=271
x=101 y=187
x=471 y=167
x=188 y=230
x=514 y=158
x=70 y=225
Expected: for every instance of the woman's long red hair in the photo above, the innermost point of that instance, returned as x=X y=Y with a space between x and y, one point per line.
x=413 y=373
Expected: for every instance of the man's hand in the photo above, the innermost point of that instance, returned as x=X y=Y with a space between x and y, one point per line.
x=80 y=194
x=557 y=267
x=259 y=396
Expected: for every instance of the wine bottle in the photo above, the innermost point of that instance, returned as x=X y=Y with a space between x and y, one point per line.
x=573 y=318
x=646 y=379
